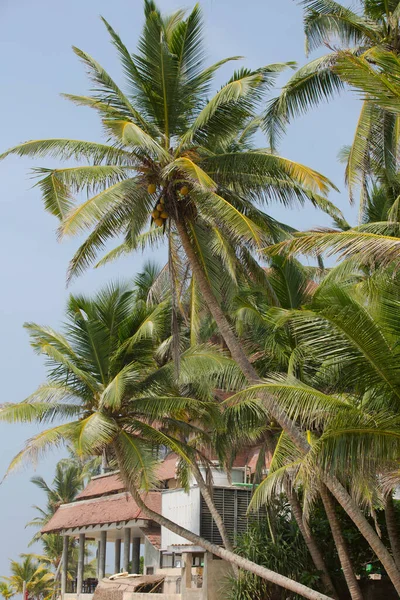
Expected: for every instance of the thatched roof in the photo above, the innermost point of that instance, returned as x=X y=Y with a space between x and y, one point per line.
x=114 y=589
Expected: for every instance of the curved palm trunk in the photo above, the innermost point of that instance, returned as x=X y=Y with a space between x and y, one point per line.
x=238 y=354
x=310 y=542
x=341 y=546
x=234 y=559
x=393 y=528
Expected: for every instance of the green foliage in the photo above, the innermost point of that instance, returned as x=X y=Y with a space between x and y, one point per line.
x=276 y=543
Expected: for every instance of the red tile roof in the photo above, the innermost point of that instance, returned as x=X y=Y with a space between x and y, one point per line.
x=100 y=511
x=111 y=483
x=104 y=484
x=153 y=534
x=167 y=469
x=249 y=457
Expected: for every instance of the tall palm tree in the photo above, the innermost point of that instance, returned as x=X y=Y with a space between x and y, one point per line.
x=374 y=150
x=109 y=393
x=184 y=161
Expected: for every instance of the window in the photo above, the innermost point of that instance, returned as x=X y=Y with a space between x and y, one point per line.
x=232 y=505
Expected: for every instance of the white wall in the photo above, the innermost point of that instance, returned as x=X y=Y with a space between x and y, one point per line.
x=220 y=478
x=182 y=508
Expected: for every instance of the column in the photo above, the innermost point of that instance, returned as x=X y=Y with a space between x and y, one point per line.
x=98 y=559
x=117 y=555
x=127 y=545
x=135 y=555
x=188 y=569
x=64 y=570
x=81 y=563
x=102 y=557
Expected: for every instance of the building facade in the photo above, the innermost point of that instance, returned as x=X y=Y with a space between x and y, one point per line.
x=105 y=513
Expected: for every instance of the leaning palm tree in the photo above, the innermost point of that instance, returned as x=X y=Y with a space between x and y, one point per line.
x=109 y=393
x=372 y=26
x=351 y=408
x=190 y=166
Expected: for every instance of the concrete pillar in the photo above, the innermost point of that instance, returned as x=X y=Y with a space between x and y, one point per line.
x=135 y=555
x=127 y=547
x=117 y=556
x=64 y=569
x=188 y=570
x=102 y=556
x=98 y=559
x=81 y=563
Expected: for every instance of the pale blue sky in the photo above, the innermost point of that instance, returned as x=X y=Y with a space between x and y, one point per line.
x=36 y=65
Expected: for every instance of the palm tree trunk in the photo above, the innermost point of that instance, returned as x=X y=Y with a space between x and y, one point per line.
x=205 y=492
x=341 y=546
x=233 y=559
x=239 y=356
x=310 y=542
x=392 y=528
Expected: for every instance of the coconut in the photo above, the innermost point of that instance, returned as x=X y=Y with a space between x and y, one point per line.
x=184 y=190
x=155 y=214
x=151 y=188
x=159 y=207
x=164 y=214
x=158 y=222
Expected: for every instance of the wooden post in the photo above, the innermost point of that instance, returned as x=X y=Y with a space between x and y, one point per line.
x=135 y=555
x=64 y=571
x=102 y=557
x=117 y=555
x=127 y=546
x=81 y=564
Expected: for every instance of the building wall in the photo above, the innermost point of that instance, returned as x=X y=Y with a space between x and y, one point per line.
x=216 y=573
x=151 y=556
x=220 y=477
x=182 y=508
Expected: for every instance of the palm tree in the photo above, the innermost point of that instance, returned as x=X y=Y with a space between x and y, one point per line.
x=39 y=581
x=67 y=483
x=281 y=352
x=190 y=165
x=373 y=154
x=110 y=394
x=6 y=591
x=352 y=407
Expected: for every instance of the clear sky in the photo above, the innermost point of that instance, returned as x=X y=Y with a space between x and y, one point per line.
x=36 y=65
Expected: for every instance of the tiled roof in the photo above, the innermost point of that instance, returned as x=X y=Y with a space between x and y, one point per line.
x=100 y=511
x=111 y=483
x=167 y=469
x=249 y=457
x=104 y=484
x=153 y=534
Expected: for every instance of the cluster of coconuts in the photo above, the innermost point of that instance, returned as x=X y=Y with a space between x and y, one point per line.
x=159 y=214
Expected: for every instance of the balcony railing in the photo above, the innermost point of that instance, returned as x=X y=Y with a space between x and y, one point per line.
x=88 y=586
